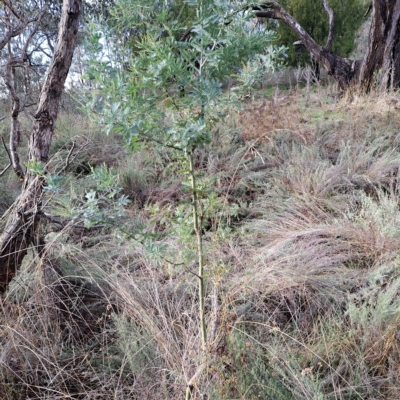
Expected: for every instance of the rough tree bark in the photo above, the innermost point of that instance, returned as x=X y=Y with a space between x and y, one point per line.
x=20 y=230
x=382 y=54
x=383 y=51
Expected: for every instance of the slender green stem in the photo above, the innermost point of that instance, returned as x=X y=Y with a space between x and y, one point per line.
x=197 y=229
x=197 y=225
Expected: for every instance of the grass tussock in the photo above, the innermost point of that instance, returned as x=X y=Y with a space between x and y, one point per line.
x=299 y=195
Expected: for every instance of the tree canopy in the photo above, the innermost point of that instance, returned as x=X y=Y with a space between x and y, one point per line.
x=166 y=64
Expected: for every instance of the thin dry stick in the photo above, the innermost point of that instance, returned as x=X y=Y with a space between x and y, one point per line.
x=67 y=161
x=5 y=146
x=8 y=153
x=71 y=157
x=216 y=315
x=5 y=170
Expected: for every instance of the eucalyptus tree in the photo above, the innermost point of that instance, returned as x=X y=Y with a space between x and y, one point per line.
x=19 y=37
x=382 y=56
x=29 y=29
x=19 y=26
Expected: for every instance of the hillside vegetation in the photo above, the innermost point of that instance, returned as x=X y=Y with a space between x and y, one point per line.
x=300 y=205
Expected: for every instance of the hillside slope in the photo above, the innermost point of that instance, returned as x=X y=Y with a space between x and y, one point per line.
x=300 y=204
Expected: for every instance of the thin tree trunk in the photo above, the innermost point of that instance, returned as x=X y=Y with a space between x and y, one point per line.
x=20 y=231
x=15 y=133
x=9 y=77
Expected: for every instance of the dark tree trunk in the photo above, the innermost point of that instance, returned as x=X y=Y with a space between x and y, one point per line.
x=383 y=53
x=21 y=229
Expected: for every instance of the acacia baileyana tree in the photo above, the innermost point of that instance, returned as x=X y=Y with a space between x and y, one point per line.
x=381 y=62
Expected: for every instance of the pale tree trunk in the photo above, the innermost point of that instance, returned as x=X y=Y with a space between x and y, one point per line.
x=15 y=133
x=20 y=231
x=381 y=63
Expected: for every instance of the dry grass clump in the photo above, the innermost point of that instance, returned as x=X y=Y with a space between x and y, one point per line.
x=103 y=321
x=265 y=117
x=51 y=338
x=150 y=178
x=331 y=212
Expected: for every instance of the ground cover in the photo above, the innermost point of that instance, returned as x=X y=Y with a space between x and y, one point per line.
x=299 y=193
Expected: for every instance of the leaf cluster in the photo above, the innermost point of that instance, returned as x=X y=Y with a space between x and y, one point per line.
x=167 y=88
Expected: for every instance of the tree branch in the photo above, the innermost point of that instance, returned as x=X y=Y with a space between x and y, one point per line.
x=10 y=81
x=8 y=153
x=272 y=9
x=368 y=10
x=267 y=14
x=13 y=11
x=331 y=17
x=51 y=47
x=5 y=170
x=71 y=157
x=67 y=161
x=67 y=222
x=338 y=67
x=4 y=144
x=16 y=30
x=15 y=132
x=5 y=147
x=32 y=33
x=13 y=33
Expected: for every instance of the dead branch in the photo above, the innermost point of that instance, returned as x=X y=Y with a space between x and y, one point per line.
x=368 y=10
x=72 y=157
x=8 y=152
x=5 y=170
x=331 y=17
x=67 y=161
